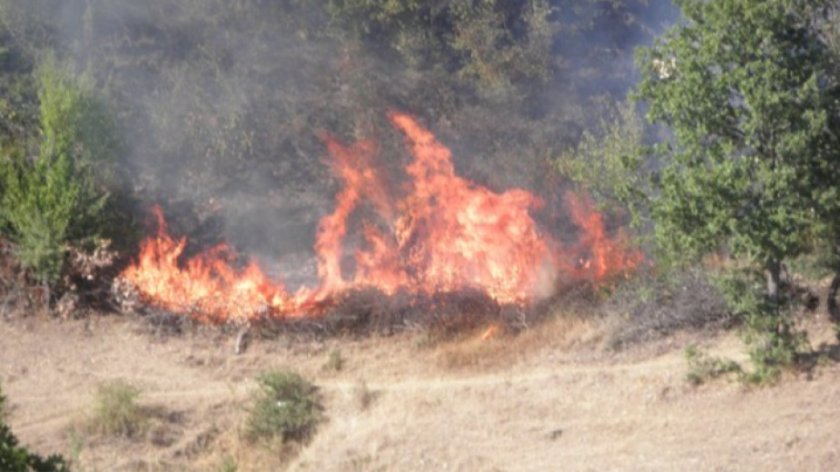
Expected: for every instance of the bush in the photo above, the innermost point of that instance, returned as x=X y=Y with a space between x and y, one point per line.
x=654 y=305
x=116 y=412
x=60 y=195
x=772 y=342
x=286 y=406
x=14 y=458
x=703 y=368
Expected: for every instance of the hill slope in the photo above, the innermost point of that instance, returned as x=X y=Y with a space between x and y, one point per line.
x=546 y=400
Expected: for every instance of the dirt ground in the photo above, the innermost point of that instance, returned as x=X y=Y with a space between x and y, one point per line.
x=549 y=399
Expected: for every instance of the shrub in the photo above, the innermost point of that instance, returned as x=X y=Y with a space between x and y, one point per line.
x=285 y=406
x=116 y=412
x=772 y=342
x=14 y=458
x=335 y=362
x=654 y=305
x=61 y=194
x=703 y=368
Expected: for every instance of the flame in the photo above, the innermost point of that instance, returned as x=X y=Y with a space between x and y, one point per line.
x=439 y=233
x=490 y=332
x=607 y=257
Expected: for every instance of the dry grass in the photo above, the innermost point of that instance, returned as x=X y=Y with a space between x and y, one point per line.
x=116 y=411
x=495 y=346
x=363 y=395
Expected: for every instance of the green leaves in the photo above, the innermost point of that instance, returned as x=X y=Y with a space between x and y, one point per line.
x=747 y=88
x=14 y=458
x=59 y=195
x=743 y=85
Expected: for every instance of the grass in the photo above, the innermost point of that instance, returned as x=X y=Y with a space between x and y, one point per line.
x=364 y=395
x=285 y=406
x=335 y=361
x=116 y=412
x=702 y=368
x=228 y=464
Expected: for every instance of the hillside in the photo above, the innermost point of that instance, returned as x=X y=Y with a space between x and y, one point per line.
x=549 y=399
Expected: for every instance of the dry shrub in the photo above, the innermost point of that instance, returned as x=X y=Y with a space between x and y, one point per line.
x=651 y=306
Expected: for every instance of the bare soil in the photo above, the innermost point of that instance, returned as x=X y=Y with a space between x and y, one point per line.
x=549 y=399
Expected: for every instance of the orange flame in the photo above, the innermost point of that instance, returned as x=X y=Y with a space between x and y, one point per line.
x=206 y=286
x=442 y=233
x=607 y=257
x=490 y=332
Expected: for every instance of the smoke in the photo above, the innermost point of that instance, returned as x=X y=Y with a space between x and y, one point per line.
x=223 y=102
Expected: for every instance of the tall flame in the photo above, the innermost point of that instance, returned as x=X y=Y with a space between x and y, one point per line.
x=441 y=233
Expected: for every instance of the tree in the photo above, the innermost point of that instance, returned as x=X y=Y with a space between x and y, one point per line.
x=60 y=195
x=746 y=87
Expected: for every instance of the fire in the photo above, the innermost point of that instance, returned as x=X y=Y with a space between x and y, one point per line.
x=205 y=286
x=439 y=233
x=490 y=332
x=607 y=257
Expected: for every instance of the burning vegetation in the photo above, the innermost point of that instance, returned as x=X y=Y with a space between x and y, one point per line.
x=441 y=233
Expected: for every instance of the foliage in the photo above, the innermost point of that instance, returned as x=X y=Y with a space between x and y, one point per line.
x=491 y=44
x=116 y=412
x=284 y=407
x=607 y=162
x=744 y=86
x=14 y=458
x=18 y=103
x=747 y=89
x=769 y=334
x=703 y=368
x=60 y=195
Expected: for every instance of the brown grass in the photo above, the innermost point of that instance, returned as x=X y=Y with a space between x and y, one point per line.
x=495 y=346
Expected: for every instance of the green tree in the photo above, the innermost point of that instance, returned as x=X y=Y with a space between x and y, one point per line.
x=746 y=87
x=60 y=195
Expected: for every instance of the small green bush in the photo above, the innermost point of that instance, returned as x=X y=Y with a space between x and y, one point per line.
x=285 y=406
x=703 y=368
x=116 y=412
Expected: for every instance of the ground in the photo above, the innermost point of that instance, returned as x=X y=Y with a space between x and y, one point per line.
x=549 y=399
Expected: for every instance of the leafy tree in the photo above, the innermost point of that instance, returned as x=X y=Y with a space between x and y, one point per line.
x=747 y=90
